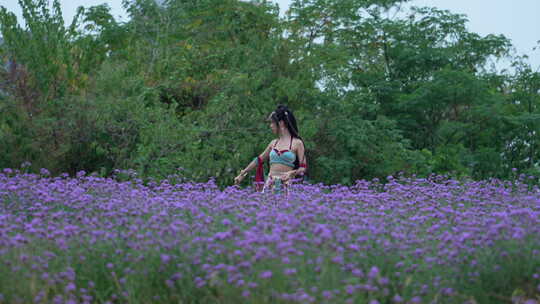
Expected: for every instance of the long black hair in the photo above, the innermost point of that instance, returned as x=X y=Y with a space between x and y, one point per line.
x=282 y=112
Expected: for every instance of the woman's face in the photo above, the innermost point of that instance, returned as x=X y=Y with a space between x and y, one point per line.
x=273 y=126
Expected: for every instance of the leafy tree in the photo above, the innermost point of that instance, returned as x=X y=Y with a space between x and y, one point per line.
x=188 y=84
x=522 y=119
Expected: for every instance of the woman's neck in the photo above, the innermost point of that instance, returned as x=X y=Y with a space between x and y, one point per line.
x=285 y=134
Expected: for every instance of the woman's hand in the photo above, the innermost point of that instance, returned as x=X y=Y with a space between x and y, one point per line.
x=288 y=175
x=240 y=177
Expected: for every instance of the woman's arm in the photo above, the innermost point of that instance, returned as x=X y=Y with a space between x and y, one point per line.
x=266 y=152
x=300 y=152
x=254 y=164
x=263 y=156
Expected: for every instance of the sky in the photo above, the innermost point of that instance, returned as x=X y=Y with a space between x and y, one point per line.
x=518 y=20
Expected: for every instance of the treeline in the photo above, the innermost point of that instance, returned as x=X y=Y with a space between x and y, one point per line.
x=188 y=85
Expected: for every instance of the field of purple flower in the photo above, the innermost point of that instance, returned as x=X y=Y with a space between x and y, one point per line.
x=97 y=240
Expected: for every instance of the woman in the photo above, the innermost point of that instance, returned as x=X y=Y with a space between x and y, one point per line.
x=286 y=154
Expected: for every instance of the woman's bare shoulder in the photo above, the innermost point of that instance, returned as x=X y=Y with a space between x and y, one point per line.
x=297 y=142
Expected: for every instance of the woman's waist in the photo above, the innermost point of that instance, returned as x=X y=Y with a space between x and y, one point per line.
x=279 y=170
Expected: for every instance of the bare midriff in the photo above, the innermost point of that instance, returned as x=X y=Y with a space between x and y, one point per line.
x=278 y=170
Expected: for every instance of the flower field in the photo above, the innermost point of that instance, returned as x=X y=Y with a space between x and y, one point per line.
x=99 y=240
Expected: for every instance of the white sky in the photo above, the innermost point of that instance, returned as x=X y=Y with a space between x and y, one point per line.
x=518 y=20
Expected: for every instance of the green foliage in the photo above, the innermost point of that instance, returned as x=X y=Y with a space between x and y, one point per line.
x=188 y=84
x=350 y=147
x=43 y=48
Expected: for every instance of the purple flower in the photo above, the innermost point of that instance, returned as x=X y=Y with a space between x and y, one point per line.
x=447 y=291
x=266 y=274
x=226 y=222
x=70 y=287
x=373 y=272
x=289 y=271
x=432 y=222
x=338 y=259
x=357 y=272
x=327 y=294
x=199 y=282
x=37 y=298
x=165 y=258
